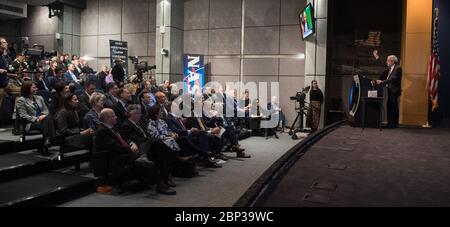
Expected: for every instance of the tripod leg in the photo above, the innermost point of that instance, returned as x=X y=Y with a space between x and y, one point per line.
x=292 y=131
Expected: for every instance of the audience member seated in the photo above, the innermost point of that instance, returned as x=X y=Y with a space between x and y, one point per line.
x=71 y=78
x=102 y=78
x=194 y=135
x=84 y=99
x=153 y=86
x=156 y=150
x=161 y=102
x=246 y=105
x=92 y=118
x=68 y=125
x=51 y=70
x=264 y=114
x=274 y=106
x=220 y=126
x=58 y=77
x=165 y=88
x=147 y=101
x=112 y=91
x=32 y=109
x=144 y=88
x=120 y=108
x=43 y=86
x=56 y=100
x=126 y=160
x=159 y=130
x=85 y=68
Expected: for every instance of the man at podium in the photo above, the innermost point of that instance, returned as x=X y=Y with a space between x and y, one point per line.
x=392 y=80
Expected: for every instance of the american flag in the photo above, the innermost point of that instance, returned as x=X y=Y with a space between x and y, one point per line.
x=434 y=71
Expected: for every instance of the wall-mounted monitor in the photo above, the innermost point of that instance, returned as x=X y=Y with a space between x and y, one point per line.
x=307 y=21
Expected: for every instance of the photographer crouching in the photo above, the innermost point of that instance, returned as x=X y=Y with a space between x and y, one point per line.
x=315 y=107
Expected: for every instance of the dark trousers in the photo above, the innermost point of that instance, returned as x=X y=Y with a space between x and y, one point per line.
x=127 y=167
x=202 y=140
x=393 y=111
x=161 y=155
x=44 y=127
x=232 y=135
x=188 y=147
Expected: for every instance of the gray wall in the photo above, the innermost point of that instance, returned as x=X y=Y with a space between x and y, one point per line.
x=41 y=30
x=133 y=21
x=269 y=50
x=37 y=27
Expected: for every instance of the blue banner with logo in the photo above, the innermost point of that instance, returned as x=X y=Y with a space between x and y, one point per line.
x=194 y=74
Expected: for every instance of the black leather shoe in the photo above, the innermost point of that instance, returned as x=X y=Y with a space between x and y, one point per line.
x=211 y=164
x=165 y=189
x=243 y=155
x=221 y=156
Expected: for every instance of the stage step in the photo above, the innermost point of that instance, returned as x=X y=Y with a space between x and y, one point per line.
x=6 y=146
x=47 y=189
x=15 y=166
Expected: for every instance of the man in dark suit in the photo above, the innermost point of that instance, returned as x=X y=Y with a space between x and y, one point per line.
x=111 y=95
x=135 y=134
x=126 y=159
x=120 y=108
x=392 y=79
x=161 y=102
x=194 y=135
x=84 y=99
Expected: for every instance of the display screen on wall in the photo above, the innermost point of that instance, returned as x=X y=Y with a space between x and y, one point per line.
x=194 y=74
x=306 y=19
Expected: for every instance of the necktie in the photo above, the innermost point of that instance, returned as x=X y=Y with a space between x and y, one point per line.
x=182 y=124
x=390 y=73
x=74 y=78
x=122 y=142
x=140 y=130
x=45 y=85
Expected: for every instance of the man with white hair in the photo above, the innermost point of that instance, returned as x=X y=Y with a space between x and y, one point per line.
x=392 y=79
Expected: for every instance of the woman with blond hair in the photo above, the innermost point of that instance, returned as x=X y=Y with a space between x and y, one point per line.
x=92 y=118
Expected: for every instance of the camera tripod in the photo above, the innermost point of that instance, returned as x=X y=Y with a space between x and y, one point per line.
x=301 y=112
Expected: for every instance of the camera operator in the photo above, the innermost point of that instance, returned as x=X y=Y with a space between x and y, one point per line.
x=315 y=107
x=19 y=68
x=5 y=74
x=118 y=72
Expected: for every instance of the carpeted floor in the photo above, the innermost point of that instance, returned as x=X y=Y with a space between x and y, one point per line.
x=213 y=188
x=403 y=167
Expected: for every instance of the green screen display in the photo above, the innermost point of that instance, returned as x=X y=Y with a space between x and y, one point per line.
x=307 y=21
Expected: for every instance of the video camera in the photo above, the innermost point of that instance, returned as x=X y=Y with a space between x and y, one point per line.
x=301 y=96
x=35 y=54
x=141 y=67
